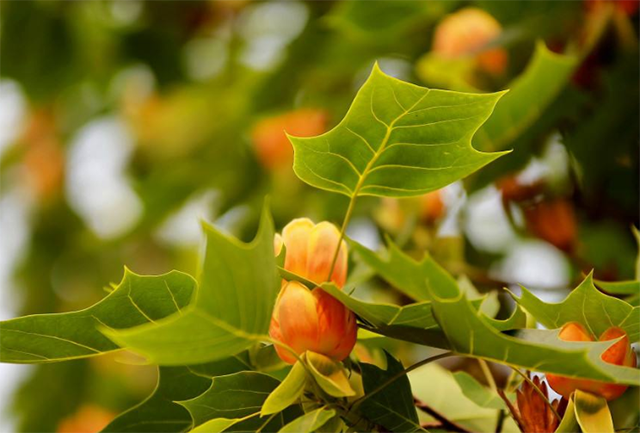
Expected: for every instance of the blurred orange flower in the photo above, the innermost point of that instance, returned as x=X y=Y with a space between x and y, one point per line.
x=554 y=221
x=312 y=320
x=620 y=353
x=88 y=419
x=465 y=32
x=270 y=141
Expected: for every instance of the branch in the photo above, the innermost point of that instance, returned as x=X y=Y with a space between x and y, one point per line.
x=445 y=422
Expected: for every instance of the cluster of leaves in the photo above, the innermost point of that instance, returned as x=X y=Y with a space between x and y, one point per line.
x=208 y=335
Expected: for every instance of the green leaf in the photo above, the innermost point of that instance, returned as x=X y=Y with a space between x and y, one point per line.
x=231 y=396
x=63 y=336
x=436 y=386
x=538 y=350
x=397 y=140
x=309 y=422
x=383 y=22
x=585 y=305
x=159 y=412
x=232 y=309
x=288 y=392
x=619 y=287
x=592 y=413
x=217 y=425
x=569 y=423
x=413 y=322
x=329 y=375
x=531 y=93
x=405 y=273
x=392 y=407
x=477 y=393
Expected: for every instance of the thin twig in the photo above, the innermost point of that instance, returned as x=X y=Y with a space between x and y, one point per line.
x=447 y=424
x=398 y=375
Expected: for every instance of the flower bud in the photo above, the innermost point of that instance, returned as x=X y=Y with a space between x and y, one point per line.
x=270 y=141
x=554 y=221
x=312 y=320
x=466 y=31
x=309 y=251
x=620 y=353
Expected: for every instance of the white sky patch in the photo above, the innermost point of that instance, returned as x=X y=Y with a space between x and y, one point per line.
x=13 y=108
x=486 y=223
x=183 y=228
x=96 y=186
x=267 y=28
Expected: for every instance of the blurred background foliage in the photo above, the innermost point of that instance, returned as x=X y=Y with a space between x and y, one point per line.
x=122 y=123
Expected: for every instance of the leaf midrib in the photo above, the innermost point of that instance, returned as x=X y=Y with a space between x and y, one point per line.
x=384 y=143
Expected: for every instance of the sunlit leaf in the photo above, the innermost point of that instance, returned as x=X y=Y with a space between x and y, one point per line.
x=232 y=309
x=288 y=392
x=569 y=423
x=477 y=393
x=592 y=413
x=435 y=386
x=329 y=375
x=309 y=422
x=397 y=140
x=57 y=337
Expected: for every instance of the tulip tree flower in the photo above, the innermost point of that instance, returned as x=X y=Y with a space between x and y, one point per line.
x=312 y=320
x=620 y=353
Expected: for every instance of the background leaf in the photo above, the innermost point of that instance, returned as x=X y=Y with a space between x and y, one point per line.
x=478 y=393
x=397 y=140
x=232 y=309
x=393 y=407
x=56 y=337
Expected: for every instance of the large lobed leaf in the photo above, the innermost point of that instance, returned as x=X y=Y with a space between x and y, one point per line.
x=468 y=331
x=159 y=412
x=585 y=305
x=232 y=309
x=233 y=403
x=58 y=337
x=397 y=140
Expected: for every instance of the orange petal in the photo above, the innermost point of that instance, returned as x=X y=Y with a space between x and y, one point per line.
x=323 y=242
x=298 y=318
x=277 y=244
x=336 y=326
x=296 y=239
x=574 y=331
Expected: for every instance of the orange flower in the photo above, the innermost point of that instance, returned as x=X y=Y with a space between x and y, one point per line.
x=466 y=31
x=533 y=413
x=618 y=354
x=554 y=221
x=310 y=248
x=271 y=143
x=312 y=320
x=432 y=206
x=88 y=419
